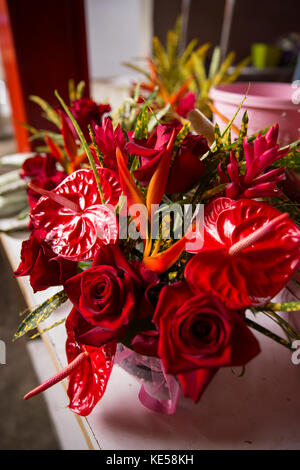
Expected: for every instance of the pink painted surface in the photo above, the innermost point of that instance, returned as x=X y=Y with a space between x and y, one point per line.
x=266 y=103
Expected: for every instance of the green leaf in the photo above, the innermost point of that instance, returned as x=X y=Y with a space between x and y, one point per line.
x=40 y=313
x=99 y=154
x=80 y=89
x=218 y=138
x=47 y=108
x=244 y=126
x=39 y=333
x=199 y=69
x=215 y=62
x=180 y=138
x=136 y=68
x=188 y=51
x=281 y=306
x=220 y=75
x=41 y=135
x=235 y=74
x=268 y=333
x=72 y=90
x=156 y=117
x=141 y=128
x=160 y=54
x=29 y=128
x=292 y=159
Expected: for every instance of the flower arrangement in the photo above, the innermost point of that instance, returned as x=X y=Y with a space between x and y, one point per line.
x=161 y=239
x=162 y=231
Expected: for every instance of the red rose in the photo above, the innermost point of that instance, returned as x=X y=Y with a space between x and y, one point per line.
x=44 y=182
x=43 y=267
x=41 y=171
x=108 y=295
x=87 y=111
x=38 y=165
x=197 y=335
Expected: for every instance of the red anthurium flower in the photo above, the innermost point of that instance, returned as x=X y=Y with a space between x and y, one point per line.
x=88 y=372
x=259 y=156
x=108 y=295
x=88 y=382
x=76 y=221
x=186 y=168
x=108 y=140
x=198 y=335
x=250 y=252
x=43 y=267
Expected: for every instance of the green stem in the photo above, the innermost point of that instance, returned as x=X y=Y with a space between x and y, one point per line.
x=84 y=144
x=268 y=333
x=97 y=150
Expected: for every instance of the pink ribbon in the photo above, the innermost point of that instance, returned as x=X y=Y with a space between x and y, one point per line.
x=161 y=382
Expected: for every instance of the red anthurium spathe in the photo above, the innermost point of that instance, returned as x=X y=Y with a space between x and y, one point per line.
x=87 y=383
x=250 y=251
x=88 y=372
x=198 y=335
x=73 y=216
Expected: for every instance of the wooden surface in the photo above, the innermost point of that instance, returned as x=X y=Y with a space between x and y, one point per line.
x=260 y=410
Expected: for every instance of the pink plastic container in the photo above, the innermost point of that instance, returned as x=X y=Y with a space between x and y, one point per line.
x=266 y=103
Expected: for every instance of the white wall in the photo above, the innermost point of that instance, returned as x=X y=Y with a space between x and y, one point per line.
x=117 y=30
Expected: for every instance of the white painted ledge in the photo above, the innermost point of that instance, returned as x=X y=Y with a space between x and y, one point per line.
x=261 y=410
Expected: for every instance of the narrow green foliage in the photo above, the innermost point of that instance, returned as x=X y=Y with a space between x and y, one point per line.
x=141 y=128
x=99 y=154
x=80 y=89
x=72 y=90
x=268 y=333
x=40 y=313
x=39 y=333
x=282 y=306
x=50 y=113
x=244 y=126
x=84 y=144
x=218 y=139
x=186 y=128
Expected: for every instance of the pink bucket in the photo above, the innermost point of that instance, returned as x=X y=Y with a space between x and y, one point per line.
x=266 y=103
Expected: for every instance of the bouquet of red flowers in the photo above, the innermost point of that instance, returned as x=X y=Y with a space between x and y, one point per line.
x=161 y=239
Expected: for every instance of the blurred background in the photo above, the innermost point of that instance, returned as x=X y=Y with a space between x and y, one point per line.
x=43 y=45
